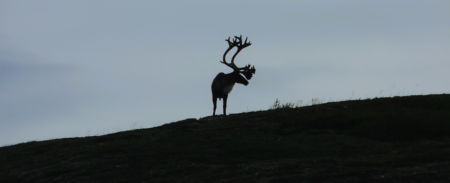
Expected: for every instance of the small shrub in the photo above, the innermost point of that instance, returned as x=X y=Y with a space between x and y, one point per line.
x=276 y=105
x=287 y=105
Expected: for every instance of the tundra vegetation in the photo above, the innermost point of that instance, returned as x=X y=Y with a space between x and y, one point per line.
x=398 y=139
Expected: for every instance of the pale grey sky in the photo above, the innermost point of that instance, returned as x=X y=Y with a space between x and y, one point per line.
x=80 y=67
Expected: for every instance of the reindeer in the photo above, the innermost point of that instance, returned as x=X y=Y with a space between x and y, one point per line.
x=223 y=83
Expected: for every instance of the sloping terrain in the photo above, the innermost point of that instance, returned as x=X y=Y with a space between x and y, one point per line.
x=400 y=139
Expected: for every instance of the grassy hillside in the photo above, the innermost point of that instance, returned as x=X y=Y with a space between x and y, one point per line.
x=400 y=139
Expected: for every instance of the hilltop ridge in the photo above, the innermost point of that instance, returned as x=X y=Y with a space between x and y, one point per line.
x=402 y=139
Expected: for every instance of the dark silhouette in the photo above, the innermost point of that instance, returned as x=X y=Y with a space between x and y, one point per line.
x=223 y=83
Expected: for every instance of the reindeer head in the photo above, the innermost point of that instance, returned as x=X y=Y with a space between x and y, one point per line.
x=247 y=71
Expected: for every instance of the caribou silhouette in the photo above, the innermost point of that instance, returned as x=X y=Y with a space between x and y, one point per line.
x=224 y=83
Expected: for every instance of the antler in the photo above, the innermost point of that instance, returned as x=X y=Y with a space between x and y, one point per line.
x=248 y=68
x=240 y=46
x=231 y=44
x=236 y=42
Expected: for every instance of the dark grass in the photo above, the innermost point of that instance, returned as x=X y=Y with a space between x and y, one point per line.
x=399 y=139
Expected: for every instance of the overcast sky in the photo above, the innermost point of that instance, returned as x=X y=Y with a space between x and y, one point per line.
x=77 y=68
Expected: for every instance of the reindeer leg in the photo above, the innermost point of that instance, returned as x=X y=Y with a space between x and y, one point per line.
x=215 y=105
x=225 y=105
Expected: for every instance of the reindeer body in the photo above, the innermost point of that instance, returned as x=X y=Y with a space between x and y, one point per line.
x=222 y=86
x=224 y=83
